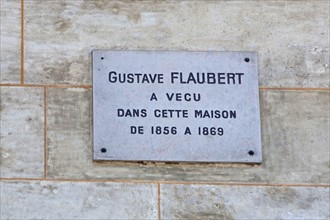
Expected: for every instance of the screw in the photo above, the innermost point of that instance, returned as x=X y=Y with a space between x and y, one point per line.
x=251 y=152
x=247 y=59
x=103 y=150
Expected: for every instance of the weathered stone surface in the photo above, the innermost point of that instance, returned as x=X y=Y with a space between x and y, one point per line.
x=243 y=202
x=10 y=46
x=77 y=200
x=21 y=133
x=295 y=139
x=289 y=36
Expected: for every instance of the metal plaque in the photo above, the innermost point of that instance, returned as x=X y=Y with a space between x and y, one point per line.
x=176 y=106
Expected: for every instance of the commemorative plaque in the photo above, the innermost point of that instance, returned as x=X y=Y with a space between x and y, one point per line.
x=176 y=106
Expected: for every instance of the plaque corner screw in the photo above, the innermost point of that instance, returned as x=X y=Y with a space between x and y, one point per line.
x=247 y=59
x=103 y=150
x=251 y=152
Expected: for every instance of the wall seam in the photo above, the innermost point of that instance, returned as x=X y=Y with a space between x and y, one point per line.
x=169 y=182
x=45 y=132
x=158 y=201
x=22 y=42
x=47 y=86
x=294 y=89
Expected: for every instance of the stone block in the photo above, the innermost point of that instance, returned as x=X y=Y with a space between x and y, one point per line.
x=289 y=36
x=10 y=43
x=77 y=200
x=22 y=132
x=243 y=202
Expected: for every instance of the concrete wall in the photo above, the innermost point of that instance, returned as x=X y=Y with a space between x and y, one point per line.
x=47 y=170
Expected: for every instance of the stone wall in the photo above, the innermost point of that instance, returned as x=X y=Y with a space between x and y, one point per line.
x=47 y=171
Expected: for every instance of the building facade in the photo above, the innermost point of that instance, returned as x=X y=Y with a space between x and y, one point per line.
x=47 y=168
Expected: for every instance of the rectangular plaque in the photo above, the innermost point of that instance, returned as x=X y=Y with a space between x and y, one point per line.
x=176 y=106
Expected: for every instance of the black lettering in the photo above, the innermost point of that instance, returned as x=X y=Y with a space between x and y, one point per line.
x=113 y=78
x=184 y=113
x=230 y=76
x=133 y=130
x=164 y=113
x=181 y=81
x=136 y=113
x=174 y=75
x=217 y=114
x=198 y=114
x=120 y=112
x=157 y=113
x=138 y=75
x=128 y=113
x=121 y=78
x=232 y=114
x=170 y=97
x=187 y=97
x=178 y=97
x=239 y=77
x=225 y=114
x=153 y=96
x=210 y=78
x=197 y=97
x=130 y=78
x=201 y=78
x=144 y=113
x=145 y=78
x=220 y=78
x=206 y=115
x=187 y=131
x=137 y=130
x=191 y=78
x=160 y=78
x=152 y=79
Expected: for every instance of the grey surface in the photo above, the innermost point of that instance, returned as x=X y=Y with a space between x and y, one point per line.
x=290 y=36
x=244 y=202
x=293 y=49
x=10 y=41
x=77 y=200
x=21 y=132
x=112 y=132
